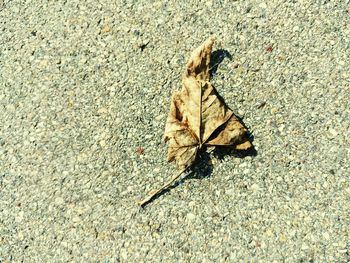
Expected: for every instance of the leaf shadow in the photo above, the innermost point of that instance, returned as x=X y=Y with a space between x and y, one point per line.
x=221 y=152
x=203 y=166
x=216 y=58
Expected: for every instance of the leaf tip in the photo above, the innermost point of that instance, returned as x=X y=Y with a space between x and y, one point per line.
x=244 y=146
x=198 y=63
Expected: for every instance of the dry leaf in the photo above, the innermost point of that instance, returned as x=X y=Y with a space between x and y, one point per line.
x=198 y=117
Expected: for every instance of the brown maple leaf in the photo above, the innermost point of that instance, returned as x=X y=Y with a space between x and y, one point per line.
x=198 y=117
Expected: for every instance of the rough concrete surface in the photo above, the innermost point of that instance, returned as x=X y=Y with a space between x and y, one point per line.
x=85 y=88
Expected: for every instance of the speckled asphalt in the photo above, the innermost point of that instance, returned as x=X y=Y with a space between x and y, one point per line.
x=85 y=88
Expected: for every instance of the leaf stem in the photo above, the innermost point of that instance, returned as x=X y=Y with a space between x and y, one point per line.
x=153 y=193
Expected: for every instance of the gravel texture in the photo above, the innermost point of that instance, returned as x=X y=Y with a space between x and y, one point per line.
x=85 y=89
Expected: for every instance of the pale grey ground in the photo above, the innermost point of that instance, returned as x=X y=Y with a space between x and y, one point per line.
x=79 y=96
